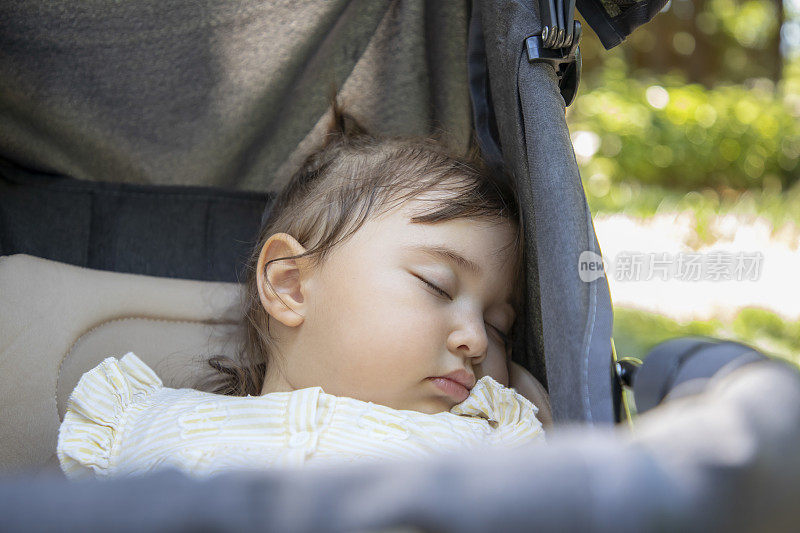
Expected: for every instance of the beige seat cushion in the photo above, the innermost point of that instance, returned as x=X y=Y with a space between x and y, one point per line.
x=57 y=321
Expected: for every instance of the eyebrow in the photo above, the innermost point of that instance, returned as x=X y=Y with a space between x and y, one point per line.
x=449 y=255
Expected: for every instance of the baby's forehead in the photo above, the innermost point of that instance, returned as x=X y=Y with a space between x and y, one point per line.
x=486 y=263
x=492 y=241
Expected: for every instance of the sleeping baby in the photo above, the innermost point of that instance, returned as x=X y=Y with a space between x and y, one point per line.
x=378 y=312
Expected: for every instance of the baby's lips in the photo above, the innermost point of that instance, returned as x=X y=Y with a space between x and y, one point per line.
x=464 y=377
x=455 y=390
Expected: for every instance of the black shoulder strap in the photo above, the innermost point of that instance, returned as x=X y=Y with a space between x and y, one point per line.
x=200 y=233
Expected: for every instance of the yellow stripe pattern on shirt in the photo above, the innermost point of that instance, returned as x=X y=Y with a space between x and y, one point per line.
x=121 y=420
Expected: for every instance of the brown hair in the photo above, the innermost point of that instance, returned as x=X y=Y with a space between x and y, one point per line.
x=352 y=177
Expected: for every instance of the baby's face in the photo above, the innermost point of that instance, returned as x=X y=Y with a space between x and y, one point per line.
x=374 y=329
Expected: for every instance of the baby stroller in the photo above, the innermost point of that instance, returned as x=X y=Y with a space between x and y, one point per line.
x=146 y=139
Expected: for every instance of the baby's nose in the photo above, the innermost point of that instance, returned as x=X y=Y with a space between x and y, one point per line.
x=471 y=342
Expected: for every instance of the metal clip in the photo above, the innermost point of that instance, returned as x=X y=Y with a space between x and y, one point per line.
x=565 y=60
x=623 y=372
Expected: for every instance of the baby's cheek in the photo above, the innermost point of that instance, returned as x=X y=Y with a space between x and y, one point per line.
x=504 y=378
x=494 y=367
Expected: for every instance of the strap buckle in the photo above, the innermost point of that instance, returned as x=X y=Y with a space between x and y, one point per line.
x=565 y=60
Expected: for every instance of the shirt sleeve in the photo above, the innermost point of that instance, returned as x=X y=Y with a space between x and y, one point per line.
x=96 y=410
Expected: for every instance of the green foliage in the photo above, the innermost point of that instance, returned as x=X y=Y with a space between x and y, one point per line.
x=779 y=208
x=637 y=332
x=697 y=111
x=751 y=22
x=686 y=137
x=711 y=42
x=768 y=331
x=699 y=98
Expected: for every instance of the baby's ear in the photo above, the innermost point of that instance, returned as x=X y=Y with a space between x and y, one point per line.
x=280 y=280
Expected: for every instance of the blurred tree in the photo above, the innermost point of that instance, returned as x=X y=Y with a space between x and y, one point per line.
x=703 y=41
x=704 y=96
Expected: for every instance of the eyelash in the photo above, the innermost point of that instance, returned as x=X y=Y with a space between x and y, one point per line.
x=503 y=336
x=435 y=288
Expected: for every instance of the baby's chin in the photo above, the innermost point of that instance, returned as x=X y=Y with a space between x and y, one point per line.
x=433 y=405
x=429 y=404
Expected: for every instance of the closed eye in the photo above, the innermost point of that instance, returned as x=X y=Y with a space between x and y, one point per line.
x=503 y=337
x=440 y=291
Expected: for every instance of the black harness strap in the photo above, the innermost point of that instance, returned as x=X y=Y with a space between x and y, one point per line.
x=199 y=233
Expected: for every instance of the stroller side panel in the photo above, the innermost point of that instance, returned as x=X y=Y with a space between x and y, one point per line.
x=570 y=330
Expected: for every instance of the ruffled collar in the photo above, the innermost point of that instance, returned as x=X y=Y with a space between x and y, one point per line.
x=496 y=403
x=488 y=399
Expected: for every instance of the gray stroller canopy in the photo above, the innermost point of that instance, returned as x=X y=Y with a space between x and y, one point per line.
x=177 y=121
x=148 y=137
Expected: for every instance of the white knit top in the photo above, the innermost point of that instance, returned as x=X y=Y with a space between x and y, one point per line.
x=120 y=419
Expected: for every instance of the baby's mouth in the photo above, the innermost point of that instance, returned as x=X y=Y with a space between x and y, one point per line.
x=453 y=389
